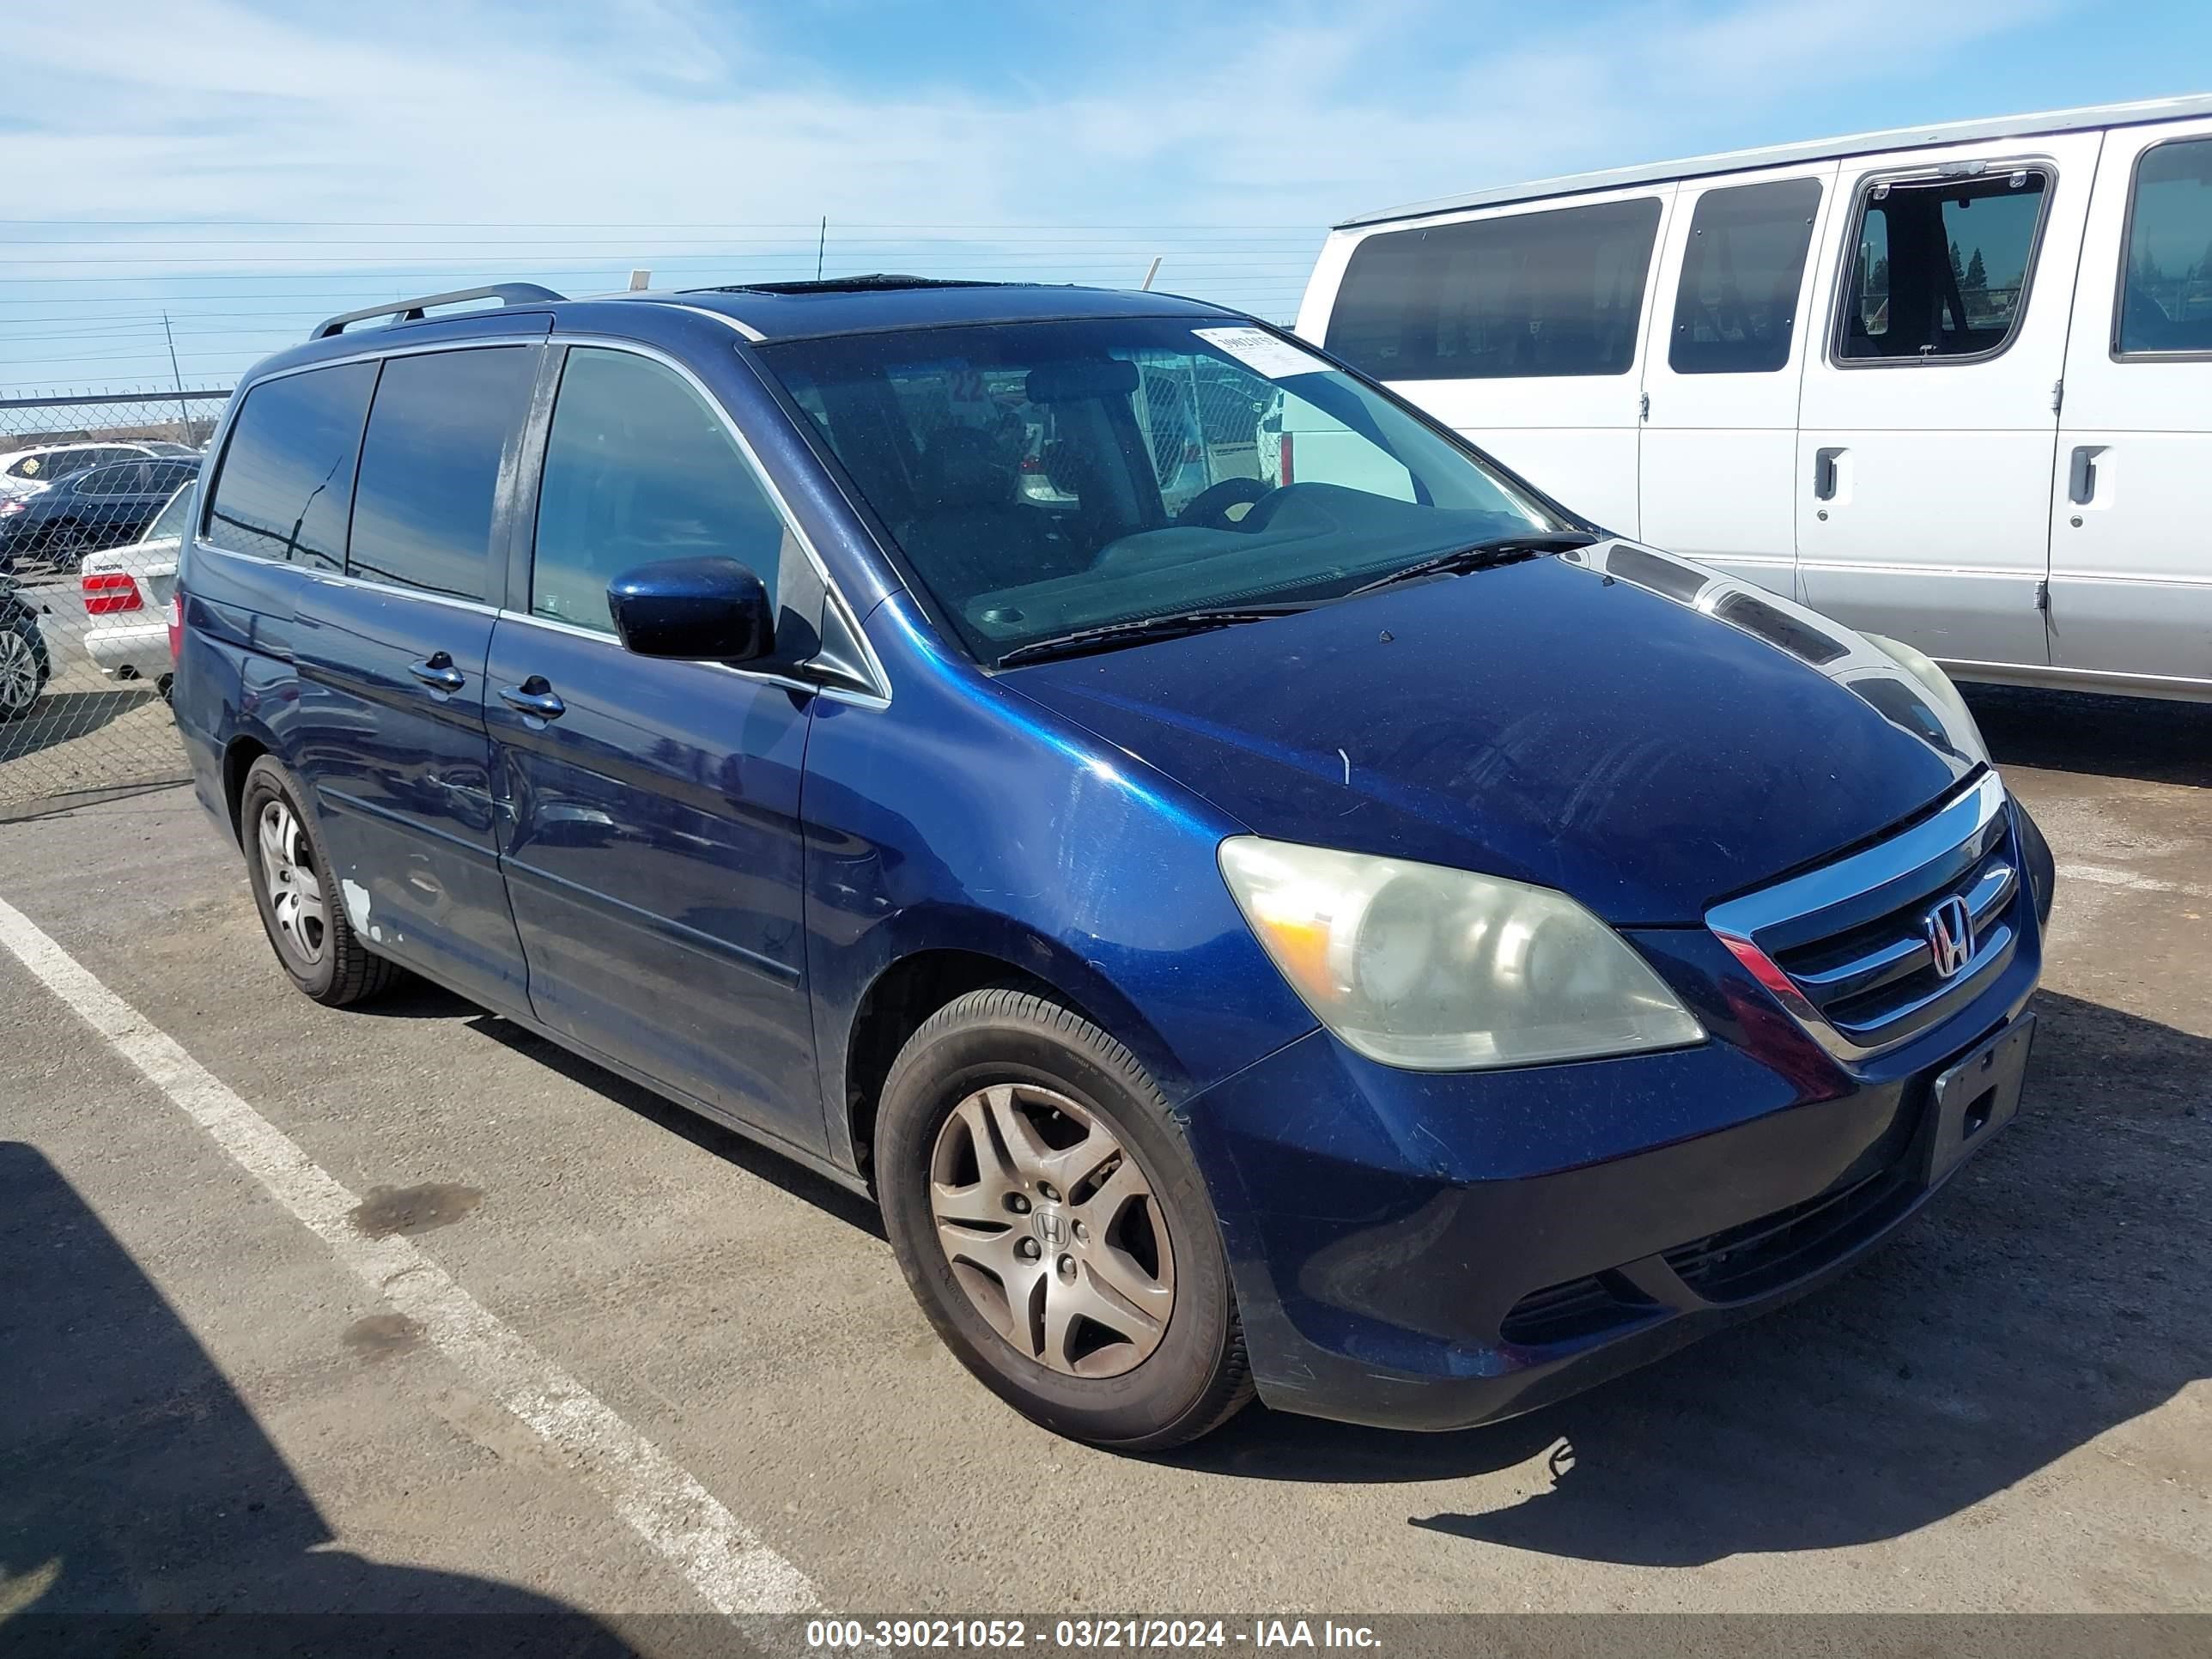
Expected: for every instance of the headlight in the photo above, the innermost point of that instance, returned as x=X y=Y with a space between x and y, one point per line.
x=1937 y=684
x=1444 y=970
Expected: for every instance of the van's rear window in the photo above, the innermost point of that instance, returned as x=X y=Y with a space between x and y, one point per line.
x=1527 y=296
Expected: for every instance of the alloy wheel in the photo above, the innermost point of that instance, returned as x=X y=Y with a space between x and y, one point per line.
x=1052 y=1230
x=295 y=892
x=19 y=673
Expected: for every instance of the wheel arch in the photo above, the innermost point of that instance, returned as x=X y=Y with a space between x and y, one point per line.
x=238 y=758
x=915 y=982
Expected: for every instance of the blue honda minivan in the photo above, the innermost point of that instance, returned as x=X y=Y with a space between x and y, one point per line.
x=1310 y=916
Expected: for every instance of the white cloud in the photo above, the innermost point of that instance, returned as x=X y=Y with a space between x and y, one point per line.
x=726 y=118
x=648 y=111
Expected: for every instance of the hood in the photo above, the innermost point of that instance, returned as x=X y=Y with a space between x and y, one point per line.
x=1628 y=728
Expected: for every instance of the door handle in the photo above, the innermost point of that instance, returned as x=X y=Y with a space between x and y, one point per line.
x=1824 y=474
x=533 y=699
x=437 y=672
x=2082 y=478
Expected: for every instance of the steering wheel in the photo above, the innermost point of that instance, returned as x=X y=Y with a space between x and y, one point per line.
x=1212 y=504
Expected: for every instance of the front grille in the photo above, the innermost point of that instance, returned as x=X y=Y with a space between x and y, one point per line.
x=1762 y=1255
x=1853 y=939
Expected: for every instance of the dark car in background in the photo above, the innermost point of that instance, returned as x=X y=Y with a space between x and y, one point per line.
x=103 y=506
x=25 y=663
x=1361 y=931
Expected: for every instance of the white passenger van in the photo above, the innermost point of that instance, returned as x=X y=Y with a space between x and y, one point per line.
x=1952 y=384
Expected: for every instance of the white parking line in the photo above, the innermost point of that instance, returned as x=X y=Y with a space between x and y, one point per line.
x=725 y=1563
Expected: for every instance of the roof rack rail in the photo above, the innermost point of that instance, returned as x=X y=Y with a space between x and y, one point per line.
x=410 y=310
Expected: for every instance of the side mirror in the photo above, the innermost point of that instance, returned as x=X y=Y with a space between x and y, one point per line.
x=699 y=609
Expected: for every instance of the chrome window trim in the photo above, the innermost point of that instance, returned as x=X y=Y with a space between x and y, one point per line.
x=812 y=687
x=1933 y=173
x=1738 y=922
x=776 y=497
x=340 y=578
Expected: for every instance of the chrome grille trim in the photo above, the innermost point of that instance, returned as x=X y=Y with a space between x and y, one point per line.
x=1780 y=931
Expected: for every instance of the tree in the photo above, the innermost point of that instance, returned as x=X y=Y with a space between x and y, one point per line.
x=1974 y=291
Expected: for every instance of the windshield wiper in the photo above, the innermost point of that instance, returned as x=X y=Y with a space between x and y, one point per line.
x=1481 y=556
x=1172 y=625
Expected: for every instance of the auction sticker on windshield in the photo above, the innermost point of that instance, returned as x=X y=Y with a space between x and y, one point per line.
x=1256 y=348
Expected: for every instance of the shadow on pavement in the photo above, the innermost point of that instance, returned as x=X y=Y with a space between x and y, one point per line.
x=749 y=1155
x=64 y=716
x=2053 y=1291
x=417 y=998
x=143 y=1511
x=2154 y=739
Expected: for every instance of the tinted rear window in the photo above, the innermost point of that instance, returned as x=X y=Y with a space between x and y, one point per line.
x=1736 y=310
x=2166 y=301
x=288 y=470
x=430 y=467
x=1528 y=296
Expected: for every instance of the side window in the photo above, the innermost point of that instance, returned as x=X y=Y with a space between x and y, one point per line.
x=638 y=468
x=1736 y=307
x=430 y=467
x=286 y=471
x=2166 y=293
x=127 y=479
x=1940 y=268
x=165 y=476
x=169 y=524
x=1529 y=294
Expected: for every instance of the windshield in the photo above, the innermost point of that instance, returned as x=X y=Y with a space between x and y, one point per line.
x=1045 y=477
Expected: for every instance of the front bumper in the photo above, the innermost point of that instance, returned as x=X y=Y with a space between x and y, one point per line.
x=1432 y=1251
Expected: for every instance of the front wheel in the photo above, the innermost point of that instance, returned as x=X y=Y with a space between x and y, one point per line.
x=1054 y=1227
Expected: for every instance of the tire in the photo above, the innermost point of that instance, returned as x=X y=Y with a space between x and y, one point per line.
x=315 y=945
x=65 y=546
x=24 y=667
x=1121 y=1383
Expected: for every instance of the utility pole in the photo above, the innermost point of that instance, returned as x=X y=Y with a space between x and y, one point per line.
x=821 y=242
x=184 y=409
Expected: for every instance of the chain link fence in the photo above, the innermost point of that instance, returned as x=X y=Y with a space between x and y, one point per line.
x=92 y=490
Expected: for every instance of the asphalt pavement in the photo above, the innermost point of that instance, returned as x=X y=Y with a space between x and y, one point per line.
x=500 y=1331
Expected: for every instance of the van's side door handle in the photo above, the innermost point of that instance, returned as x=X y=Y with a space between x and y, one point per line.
x=2081 y=479
x=1824 y=474
x=437 y=672
x=533 y=699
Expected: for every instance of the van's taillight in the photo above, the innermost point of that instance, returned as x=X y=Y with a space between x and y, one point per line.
x=108 y=592
x=176 y=625
x=1283 y=479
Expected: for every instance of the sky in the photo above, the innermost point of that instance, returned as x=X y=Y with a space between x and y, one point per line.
x=247 y=167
